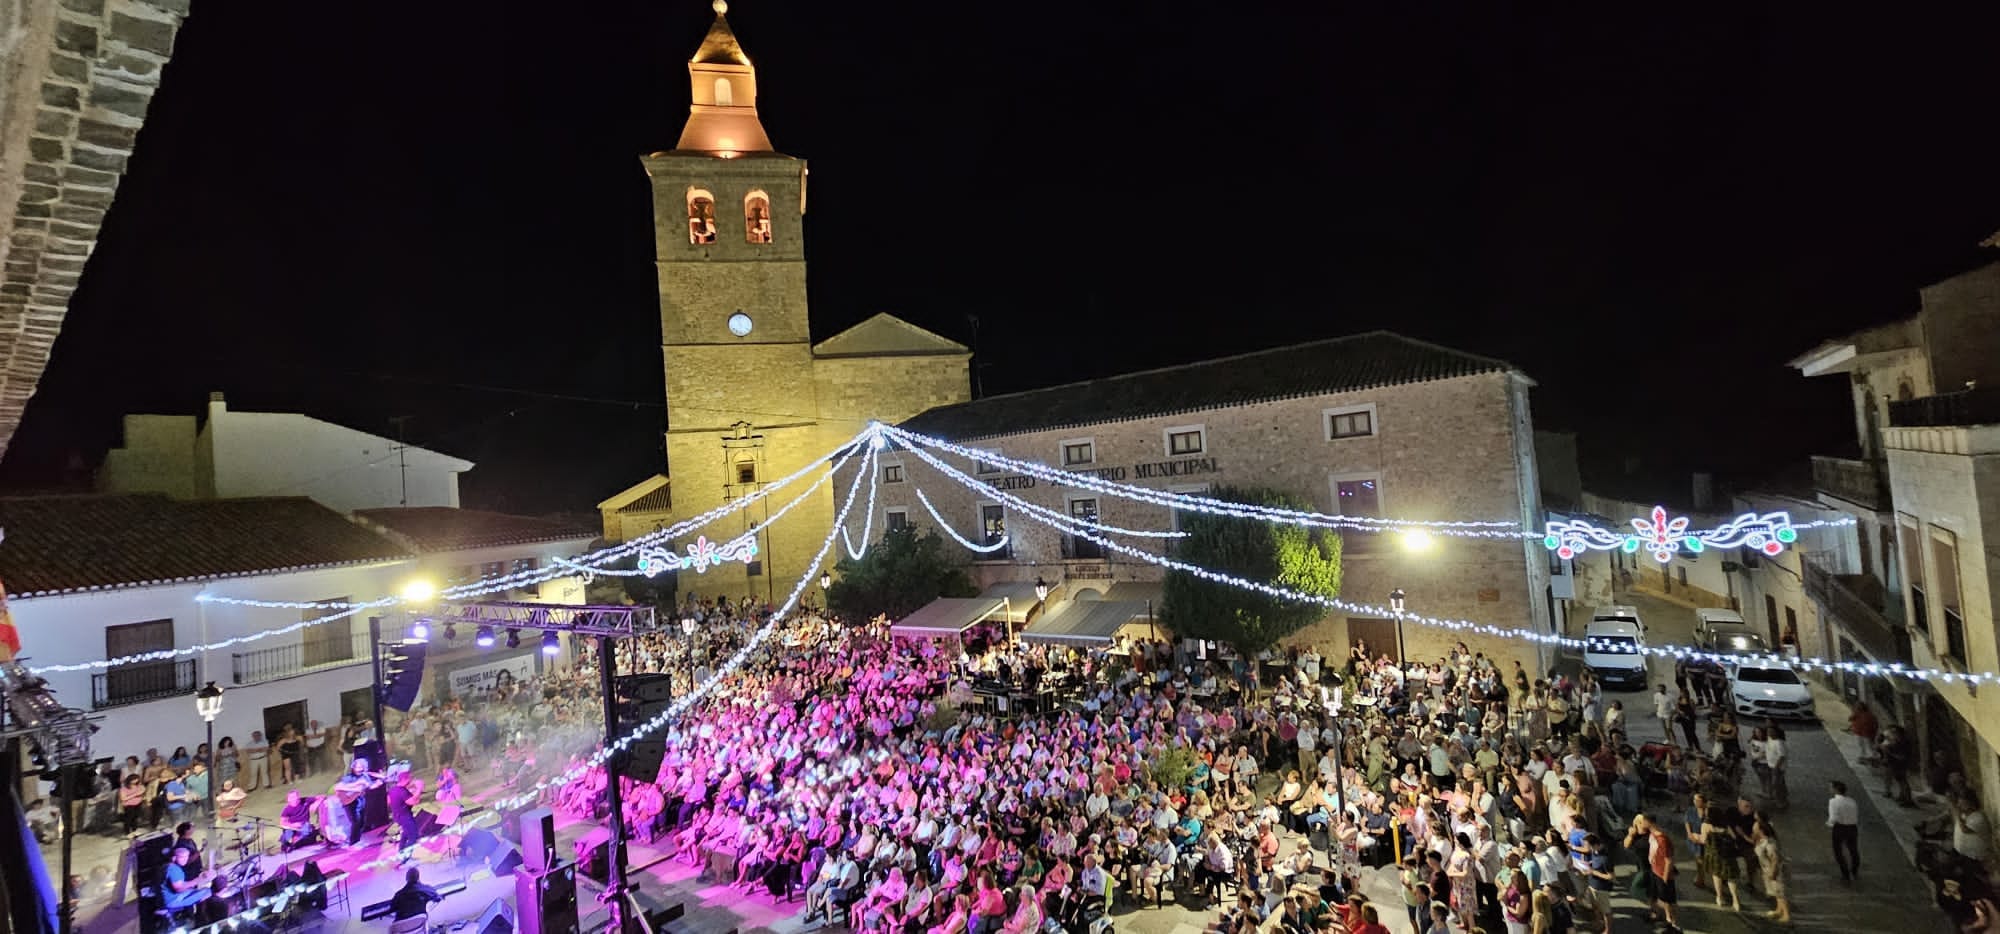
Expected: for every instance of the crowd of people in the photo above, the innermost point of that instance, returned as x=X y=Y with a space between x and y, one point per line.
x=859 y=772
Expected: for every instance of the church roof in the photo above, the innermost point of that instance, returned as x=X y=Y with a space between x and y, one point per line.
x=1342 y=364
x=886 y=335
x=653 y=494
x=719 y=47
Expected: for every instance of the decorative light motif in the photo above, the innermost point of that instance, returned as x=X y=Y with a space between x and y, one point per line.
x=1663 y=537
x=702 y=554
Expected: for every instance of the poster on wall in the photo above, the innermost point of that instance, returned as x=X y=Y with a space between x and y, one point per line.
x=482 y=679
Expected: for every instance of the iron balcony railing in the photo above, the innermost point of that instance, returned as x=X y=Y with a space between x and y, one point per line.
x=303 y=657
x=137 y=684
x=1874 y=625
x=1979 y=406
x=1860 y=482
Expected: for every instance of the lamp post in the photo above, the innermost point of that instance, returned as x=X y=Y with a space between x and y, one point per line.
x=1041 y=588
x=1396 y=607
x=208 y=703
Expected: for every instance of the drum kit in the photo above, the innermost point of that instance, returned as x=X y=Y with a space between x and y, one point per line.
x=250 y=850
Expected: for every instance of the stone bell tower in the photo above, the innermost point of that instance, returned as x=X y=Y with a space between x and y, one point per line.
x=733 y=327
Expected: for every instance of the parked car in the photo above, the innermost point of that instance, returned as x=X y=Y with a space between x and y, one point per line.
x=1614 y=647
x=1710 y=623
x=1769 y=688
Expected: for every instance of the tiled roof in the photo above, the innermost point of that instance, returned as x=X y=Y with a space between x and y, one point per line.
x=439 y=528
x=65 y=544
x=1342 y=364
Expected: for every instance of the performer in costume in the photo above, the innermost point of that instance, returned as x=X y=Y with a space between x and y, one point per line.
x=352 y=794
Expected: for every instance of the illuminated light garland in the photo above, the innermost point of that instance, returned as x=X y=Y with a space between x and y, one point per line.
x=946 y=526
x=1493 y=529
x=1896 y=670
x=559 y=568
x=750 y=533
x=1663 y=537
x=868 y=521
x=678 y=707
x=845 y=451
x=702 y=554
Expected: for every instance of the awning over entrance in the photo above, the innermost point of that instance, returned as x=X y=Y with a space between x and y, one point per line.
x=1085 y=622
x=1020 y=597
x=947 y=617
x=1137 y=590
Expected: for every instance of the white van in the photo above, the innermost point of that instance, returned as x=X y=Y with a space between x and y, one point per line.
x=1714 y=624
x=1613 y=649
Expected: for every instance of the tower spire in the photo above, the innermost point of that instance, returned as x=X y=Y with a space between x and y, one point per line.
x=723 y=116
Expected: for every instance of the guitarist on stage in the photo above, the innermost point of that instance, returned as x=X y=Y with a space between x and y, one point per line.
x=352 y=790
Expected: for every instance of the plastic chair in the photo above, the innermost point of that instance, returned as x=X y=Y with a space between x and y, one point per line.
x=415 y=924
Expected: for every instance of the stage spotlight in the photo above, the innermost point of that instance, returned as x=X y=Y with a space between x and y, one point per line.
x=551 y=645
x=513 y=638
x=485 y=638
x=450 y=631
x=420 y=631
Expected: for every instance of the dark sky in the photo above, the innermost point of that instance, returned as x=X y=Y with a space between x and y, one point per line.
x=404 y=209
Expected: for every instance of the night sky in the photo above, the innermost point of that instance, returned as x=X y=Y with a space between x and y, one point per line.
x=392 y=210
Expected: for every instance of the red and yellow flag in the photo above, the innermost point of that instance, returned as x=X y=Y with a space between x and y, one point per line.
x=10 y=638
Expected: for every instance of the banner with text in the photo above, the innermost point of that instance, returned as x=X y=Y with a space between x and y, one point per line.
x=482 y=679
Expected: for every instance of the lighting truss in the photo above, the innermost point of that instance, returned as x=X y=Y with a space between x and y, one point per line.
x=614 y=621
x=62 y=732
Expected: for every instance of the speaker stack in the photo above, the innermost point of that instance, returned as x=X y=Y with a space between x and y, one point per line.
x=545 y=890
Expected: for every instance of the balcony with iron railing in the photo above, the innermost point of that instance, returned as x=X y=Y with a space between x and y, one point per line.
x=306 y=656
x=1863 y=483
x=1978 y=406
x=145 y=681
x=1865 y=611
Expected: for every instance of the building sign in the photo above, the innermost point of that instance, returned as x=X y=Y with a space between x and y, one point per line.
x=1011 y=483
x=1185 y=467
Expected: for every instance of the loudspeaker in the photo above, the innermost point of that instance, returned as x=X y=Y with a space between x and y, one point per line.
x=505 y=859
x=315 y=896
x=477 y=845
x=593 y=855
x=496 y=919
x=404 y=679
x=538 y=839
x=640 y=699
x=547 y=902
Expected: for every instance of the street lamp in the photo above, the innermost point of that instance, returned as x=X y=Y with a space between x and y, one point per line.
x=208 y=704
x=1416 y=540
x=1041 y=588
x=825 y=581
x=1396 y=607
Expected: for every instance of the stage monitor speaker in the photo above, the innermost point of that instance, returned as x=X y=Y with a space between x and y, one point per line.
x=315 y=896
x=404 y=679
x=496 y=919
x=504 y=859
x=546 y=902
x=538 y=839
x=477 y=845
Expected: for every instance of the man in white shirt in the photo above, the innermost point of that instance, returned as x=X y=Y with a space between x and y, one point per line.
x=1308 y=745
x=1969 y=828
x=1777 y=757
x=1843 y=818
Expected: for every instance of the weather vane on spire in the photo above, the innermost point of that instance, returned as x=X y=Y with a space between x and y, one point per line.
x=721 y=6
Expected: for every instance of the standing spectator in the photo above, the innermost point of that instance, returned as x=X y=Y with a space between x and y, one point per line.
x=256 y=755
x=1843 y=818
x=227 y=760
x=132 y=803
x=1776 y=758
x=1861 y=723
x=1776 y=872
x=1897 y=753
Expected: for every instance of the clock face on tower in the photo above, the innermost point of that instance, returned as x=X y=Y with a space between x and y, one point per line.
x=739 y=324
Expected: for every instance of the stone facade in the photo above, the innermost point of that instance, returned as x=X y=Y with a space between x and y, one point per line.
x=1442 y=449
x=76 y=77
x=749 y=405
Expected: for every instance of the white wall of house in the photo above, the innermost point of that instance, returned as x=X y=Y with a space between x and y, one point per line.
x=240 y=454
x=68 y=629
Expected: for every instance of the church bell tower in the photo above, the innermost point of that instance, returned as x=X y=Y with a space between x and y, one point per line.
x=734 y=334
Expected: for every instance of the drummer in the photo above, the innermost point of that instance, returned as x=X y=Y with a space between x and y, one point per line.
x=295 y=826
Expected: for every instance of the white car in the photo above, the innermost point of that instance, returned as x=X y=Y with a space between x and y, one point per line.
x=1766 y=688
